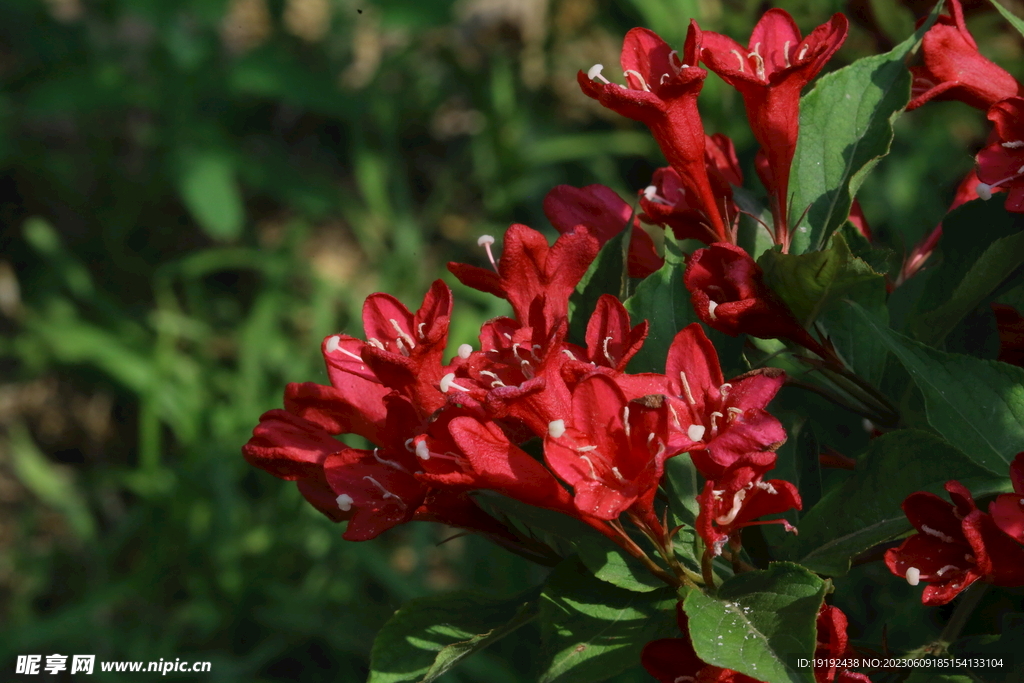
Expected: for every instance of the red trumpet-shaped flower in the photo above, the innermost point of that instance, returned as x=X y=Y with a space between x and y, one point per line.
x=605 y=214
x=729 y=294
x=770 y=73
x=739 y=497
x=1001 y=163
x=954 y=69
x=661 y=92
x=956 y=545
x=610 y=450
x=1008 y=508
x=718 y=422
x=530 y=269
x=667 y=202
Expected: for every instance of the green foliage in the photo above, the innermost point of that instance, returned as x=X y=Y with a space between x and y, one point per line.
x=429 y=636
x=845 y=128
x=865 y=510
x=592 y=631
x=759 y=623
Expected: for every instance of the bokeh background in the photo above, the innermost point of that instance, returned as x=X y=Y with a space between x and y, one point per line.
x=193 y=193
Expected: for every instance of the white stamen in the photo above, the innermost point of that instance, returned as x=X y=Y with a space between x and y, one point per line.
x=373 y=341
x=486 y=241
x=758 y=60
x=556 y=428
x=675 y=416
x=712 y=305
x=785 y=53
x=419 y=331
x=937 y=534
x=640 y=78
x=332 y=343
x=387 y=494
x=595 y=72
x=422 y=451
x=345 y=502
x=448 y=382
x=618 y=475
x=714 y=422
x=1013 y=144
x=743 y=62
x=389 y=463
x=569 y=353
x=607 y=353
x=766 y=486
x=593 y=472
x=734 y=412
x=497 y=382
x=407 y=446
x=947 y=568
x=464 y=351
x=913 y=576
x=625 y=419
x=350 y=354
x=696 y=432
x=724 y=390
x=737 y=504
x=803 y=52
x=686 y=388
x=585 y=449
x=402 y=334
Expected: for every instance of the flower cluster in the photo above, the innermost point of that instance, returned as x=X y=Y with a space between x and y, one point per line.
x=442 y=429
x=954 y=69
x=958 y=544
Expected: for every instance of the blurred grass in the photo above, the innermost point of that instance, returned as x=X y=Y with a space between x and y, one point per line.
x=193 y=194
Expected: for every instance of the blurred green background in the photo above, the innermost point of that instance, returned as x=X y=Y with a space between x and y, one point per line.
x=193 y=193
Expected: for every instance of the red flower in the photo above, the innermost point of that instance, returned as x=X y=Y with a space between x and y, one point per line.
x=728 y=293
x=610 y=450
x=661 y=92
x=1001 y=163
x=1008 y=508
x=957 y=544
x=529 y=270
x=770 y=74
x=1010 y=324
x=955 y=70
x=832 y=645
x=718 y=421
x=667 y=202
x=605 y=214
x=738 y=498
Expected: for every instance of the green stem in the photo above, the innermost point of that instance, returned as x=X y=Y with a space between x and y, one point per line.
x=961 y=614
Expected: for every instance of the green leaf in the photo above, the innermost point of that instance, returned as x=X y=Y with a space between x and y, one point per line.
x=809 y=283
x=428 y=636
x=608 y=274
x=997 y=263
x=1007 y=648
x=592 y=631
x=1014 y=20
x=661 y=300
x=977 y=405
x=683 y=484
x=866 y=510
x=759 y=623
x=210 y=191
x=845 y=128
x=933 y=676
x=610 y=563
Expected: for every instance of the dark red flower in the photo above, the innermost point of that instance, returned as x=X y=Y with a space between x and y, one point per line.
x=769 y=74
x=1008 y=508
x=738 y=498
x=956 y=545
x=605 y=214
x=718 y=421
x=1001 y=163
x=729 y=294
x=1010 y=324
x=954 y=69
x=610 y=450
x=833 y=645
x=666 y=200
x=661 y=91
x=530 y=270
